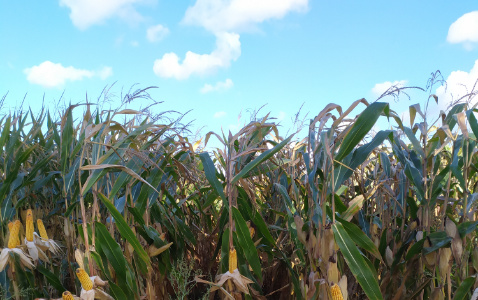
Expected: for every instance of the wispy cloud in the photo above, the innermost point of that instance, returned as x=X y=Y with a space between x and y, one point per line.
x=49 y=74
x=381 y=88
x=239 y=15
x=220 y=114
x=86 y=13
x=219 y=86
x=156 y=33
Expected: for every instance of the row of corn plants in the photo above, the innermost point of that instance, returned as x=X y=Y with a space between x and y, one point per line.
x=127 y=204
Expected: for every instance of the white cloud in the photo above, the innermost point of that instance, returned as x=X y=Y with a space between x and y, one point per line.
x=134 y=43
x=156 y=33
x=224 y=18
x=219 y=86
x=464 y=30
x=220 y=114
x=381 y=88
x=228 y=48
x=105 y=72
x=281 y=116
x=85 y=13
x=49 y=75
x=459 y=84
x=237 y=15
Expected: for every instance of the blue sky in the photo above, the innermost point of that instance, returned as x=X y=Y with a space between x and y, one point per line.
x=222 y=59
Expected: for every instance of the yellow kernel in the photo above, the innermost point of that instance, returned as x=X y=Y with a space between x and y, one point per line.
x=67 y=296
x=29 y=226
x=336 y=292
x=232 y=260
x=13 y=241
x=85 y=280
x=41 y=229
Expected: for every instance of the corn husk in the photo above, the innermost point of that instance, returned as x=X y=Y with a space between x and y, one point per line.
x=343 y=287
x=35 y=251
x=389 y=256
x=24 y=258
x=457 y=249
x=430 y=258
x=474 y=259
x=450 y=228
x=444 y=262
x=240 y=283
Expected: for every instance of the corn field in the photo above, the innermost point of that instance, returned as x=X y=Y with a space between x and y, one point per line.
x=124 y=204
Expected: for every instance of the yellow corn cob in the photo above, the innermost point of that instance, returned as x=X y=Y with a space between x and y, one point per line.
x=29 y=226
x=85 y=280
x=17 y=239
x=251 y=231
x=13 y=240
x=41 y=229
x=336 y=292
x=232 y=260
x=67 y=296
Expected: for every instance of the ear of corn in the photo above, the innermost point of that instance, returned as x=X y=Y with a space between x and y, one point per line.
x=232 y=260
x=13 y=241
x=336 y=293
x=67 y=296
x=85 y=280
x=29 y=226
x=41 y=229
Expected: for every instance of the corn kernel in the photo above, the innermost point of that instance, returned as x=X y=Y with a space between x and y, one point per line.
x=29 y=226
x=41 y=229
x=336 y=292
x=232 y=260
x=13 y=241
x=67 y=296
x=85 y=280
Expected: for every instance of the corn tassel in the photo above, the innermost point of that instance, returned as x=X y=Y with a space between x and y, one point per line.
x=67 y=296
x=29 y=227
x=85 y=280
x=41 y=229
x=336 y=292
x=232 y=260
x=13 y=241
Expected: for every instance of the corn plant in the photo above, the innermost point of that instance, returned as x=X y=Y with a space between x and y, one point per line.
x=120 y=203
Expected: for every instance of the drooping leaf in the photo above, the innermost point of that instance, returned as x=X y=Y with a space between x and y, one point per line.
x=361 y=128
x=356 y=262
x=125 y=230
x=246 y=243
x=261 y=158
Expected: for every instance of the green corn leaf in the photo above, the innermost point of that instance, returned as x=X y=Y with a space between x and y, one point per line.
x=246 y=243
x=356 y=262
x=125 y=230
x=462 y=292
x=361 y=127
x=250 y=167
x=360 y=238
x=51 y=278
x=210 y=172
x=112 y=250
